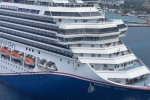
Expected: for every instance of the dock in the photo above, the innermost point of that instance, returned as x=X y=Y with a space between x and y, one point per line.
x=137 y=25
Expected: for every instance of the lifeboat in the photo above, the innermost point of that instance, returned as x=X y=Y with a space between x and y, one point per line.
x=29 y=61
x=5 y=51
x=16 y=55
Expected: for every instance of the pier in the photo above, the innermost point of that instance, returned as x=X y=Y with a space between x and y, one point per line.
x=137 y=25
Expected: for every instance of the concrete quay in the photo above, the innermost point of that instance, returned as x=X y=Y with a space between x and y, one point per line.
x=137 y=25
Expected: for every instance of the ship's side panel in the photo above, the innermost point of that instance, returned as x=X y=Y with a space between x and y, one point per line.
x=55 y=87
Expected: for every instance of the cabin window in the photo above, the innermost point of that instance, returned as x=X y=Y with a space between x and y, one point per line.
x=59 y=20
x=129 y=63
x=81 y=54
x=99 y=55
x=38 y=52
x=79 y=45
x=93 y=55
x=92 y=45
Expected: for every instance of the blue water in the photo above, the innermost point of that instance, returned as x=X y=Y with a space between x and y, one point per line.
x=138 y=39
x=124 y=18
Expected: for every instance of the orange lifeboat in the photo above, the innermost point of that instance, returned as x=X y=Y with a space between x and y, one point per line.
x=5 y=51
x=15 y=54
x=29 y=61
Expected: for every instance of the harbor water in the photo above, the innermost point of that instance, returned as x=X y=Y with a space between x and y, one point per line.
x=138 y=39
x=124 y=18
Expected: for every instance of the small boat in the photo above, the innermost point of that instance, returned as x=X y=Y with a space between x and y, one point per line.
x=16 y=55
x=29 y=61
x=5 y=51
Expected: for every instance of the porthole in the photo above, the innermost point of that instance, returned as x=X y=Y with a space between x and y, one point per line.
x=60 y=59
x=68 y=62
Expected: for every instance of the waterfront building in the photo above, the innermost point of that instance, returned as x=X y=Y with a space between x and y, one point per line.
x=112 y=2
x=146 y=4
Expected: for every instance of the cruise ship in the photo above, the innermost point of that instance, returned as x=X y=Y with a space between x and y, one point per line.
x=68 y=50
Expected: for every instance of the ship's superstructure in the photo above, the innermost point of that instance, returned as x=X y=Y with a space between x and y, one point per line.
x=48 y=44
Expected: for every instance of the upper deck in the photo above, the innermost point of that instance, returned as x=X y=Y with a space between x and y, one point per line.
x=54 y=8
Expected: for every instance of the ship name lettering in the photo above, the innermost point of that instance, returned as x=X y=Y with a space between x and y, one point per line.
x=7 y=44
x=118 y=88
x=101 y=85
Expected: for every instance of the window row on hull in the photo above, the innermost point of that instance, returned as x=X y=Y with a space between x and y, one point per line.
x=88 y=31
x=76 y=39
x=73 y=14
x=32 y=31
x=33 y=11
x=28 y=23
x=27 y=36
x=37 y=45
x=28 y=16
x=121 y=26
x=74 y=5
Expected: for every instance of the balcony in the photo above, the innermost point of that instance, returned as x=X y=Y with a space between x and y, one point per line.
x=101 y=50
x=116 y=60
x=136 y=70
